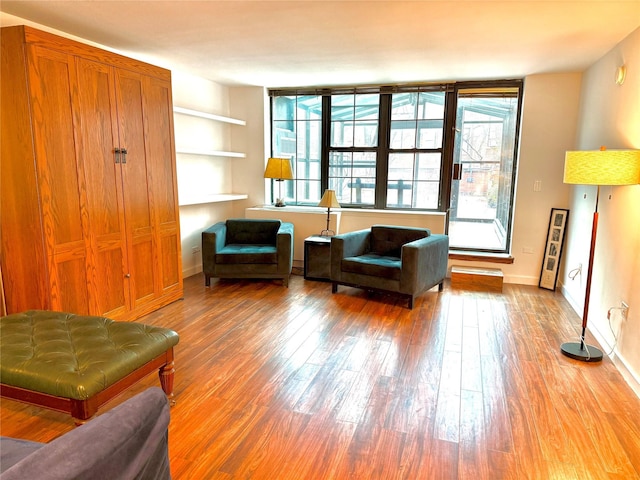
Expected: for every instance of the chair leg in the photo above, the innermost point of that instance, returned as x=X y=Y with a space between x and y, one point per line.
x=441 y=286
x=411 y=302
x=334 y=287
x=207 y=280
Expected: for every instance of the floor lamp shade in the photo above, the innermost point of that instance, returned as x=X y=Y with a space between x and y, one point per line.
x=279 y=169
x=602 y=167
x=597 y=167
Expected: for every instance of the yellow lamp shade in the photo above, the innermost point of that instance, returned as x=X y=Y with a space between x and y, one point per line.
x=602 y=167
x=329 y=199
x=279 y=168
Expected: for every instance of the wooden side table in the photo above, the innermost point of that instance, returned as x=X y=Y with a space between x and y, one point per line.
x=317 y=258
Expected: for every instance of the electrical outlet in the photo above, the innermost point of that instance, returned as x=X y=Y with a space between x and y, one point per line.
x=624 y=310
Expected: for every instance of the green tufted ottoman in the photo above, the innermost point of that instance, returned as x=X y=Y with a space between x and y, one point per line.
x=75 y=364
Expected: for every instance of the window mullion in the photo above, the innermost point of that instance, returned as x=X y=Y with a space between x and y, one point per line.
x=382 y=163
x=326 y=142
x=449 y=134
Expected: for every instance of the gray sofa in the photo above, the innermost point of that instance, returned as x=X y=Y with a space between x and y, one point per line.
x=403 y=260
x=127 y=442
x=248 y=248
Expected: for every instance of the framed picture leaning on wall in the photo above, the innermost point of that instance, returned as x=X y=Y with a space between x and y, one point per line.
x=553 y=248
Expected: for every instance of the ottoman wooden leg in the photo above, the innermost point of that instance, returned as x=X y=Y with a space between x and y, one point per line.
x=166 y=375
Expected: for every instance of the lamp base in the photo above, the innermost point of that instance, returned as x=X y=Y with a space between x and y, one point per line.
x=576 y=351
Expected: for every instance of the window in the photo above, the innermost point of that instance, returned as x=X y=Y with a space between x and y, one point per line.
x=481 y=203
x=399 y=147
x=415 y=150
x=297 y=134
x=353 y=149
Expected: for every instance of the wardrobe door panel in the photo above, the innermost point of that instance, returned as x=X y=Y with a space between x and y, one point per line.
x=60 y=178
x=137 y=193
x=99 y=141
x=161 y=159
x=142 y=265
x=50 y=80
x=70 y=275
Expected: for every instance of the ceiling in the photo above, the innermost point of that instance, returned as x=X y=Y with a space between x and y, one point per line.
x=313 y=43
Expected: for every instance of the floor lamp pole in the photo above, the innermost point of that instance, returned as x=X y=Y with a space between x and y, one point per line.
x=582 y=351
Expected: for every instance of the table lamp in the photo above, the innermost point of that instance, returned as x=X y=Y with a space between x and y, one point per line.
x=328 y=200
x=279 y=169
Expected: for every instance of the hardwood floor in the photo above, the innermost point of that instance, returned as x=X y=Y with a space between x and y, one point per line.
x=277 y=383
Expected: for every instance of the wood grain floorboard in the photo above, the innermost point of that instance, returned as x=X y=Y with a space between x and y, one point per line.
x=299 y=384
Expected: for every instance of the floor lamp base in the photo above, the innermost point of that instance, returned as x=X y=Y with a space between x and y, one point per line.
x=575 y=350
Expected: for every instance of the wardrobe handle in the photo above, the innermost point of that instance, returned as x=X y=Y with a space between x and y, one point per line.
x=117 y=152
x=127 y=275
x=124 y=155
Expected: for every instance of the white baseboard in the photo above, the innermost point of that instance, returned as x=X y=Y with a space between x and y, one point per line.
x=627 y=373
x=191 y=271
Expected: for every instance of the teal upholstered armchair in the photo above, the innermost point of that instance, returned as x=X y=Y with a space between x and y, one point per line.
x=248 y=248
x=402 y=260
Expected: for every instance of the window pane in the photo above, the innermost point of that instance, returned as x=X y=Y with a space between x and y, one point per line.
x=403 y=134
x=431 y=105
x=481 y=202
x=426 y=195
x=342 y=107
x=417 y=120
x=429 y=166
x=401 y=166
x=297 y=134
x=414 y=180
x=283 y=108
x=354 y=120
x=403 y=106
x=352 y=176
x=430 y=133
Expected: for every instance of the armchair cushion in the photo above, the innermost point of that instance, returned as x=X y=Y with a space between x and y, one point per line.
x=243 y=254
x=374 y=265
x=388 y=240
x=244 y=231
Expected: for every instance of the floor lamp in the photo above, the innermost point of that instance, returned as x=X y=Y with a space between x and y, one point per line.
x=597 y=167
x=280 y=170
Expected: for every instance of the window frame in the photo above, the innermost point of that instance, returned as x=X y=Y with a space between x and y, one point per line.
x=383 y=149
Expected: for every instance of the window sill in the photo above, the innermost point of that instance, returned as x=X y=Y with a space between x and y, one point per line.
x=482 y=257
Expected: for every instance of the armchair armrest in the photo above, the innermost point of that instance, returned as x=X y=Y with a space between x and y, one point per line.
x=213 y=240
x=345 y=245
x=284 y=247
x=424 y=263
x=129 y=441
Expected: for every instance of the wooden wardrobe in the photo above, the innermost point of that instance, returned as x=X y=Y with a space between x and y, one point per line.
x=89 y=217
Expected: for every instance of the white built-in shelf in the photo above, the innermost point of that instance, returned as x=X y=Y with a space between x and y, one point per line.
x=211 y=153
x=210 y=116
x=212 y=198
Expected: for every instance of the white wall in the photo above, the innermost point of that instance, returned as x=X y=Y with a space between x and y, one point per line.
x=610 y=116
x=198 y=174
x=548 y=129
